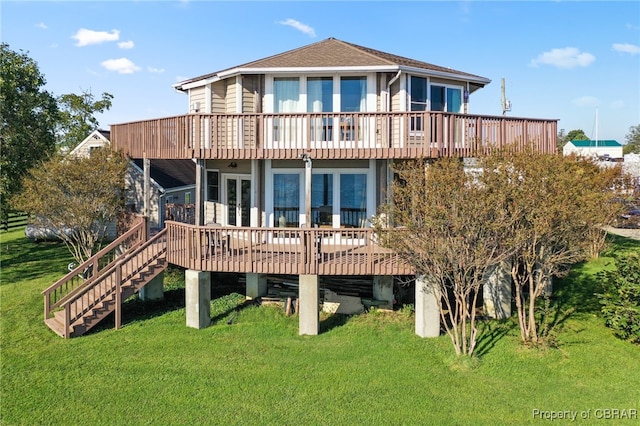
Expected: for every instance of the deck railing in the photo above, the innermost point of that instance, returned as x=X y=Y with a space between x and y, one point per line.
x=322 y=251
x=329 y=135
x=84 y=274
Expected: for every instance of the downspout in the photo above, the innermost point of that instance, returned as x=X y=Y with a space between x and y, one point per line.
x=393 y=80
x=390 y=161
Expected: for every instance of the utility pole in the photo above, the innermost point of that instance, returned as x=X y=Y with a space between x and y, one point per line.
x=506 y=103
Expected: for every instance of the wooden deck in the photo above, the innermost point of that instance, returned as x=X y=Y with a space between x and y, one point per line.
x=294 y=251
x=378 y=135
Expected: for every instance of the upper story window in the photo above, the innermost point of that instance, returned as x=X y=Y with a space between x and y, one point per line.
x=320 y=94
x=286 y=94
x=446 y=98
x=353 y=94
x=418 y=92
x=434 y=97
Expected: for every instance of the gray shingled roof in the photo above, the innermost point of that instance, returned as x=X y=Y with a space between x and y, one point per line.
x=332 y=53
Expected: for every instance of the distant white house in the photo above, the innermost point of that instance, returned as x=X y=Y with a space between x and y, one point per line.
x=605 y=149
x=171 y=181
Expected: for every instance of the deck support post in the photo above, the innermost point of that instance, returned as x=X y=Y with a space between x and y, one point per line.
x=199 y=191
x=146 y=194
x=309 y=297
x=153 y=290
x=383 y=290
x=256 y=285
x=198 y=298
x=496 y=291
x=427 y=307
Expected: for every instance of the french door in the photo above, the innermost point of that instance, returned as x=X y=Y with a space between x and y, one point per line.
x=237 y=199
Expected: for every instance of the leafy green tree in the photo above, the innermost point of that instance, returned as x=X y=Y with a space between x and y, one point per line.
x=29 y=117
x=557 y=206
x=632 y=140
x=452 y=234
x=77 y=118
x=78 y=197
x=576 y=135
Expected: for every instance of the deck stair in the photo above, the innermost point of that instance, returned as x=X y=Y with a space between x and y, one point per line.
x=93 y=290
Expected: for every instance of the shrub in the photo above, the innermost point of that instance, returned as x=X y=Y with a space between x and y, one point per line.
x=620 y=298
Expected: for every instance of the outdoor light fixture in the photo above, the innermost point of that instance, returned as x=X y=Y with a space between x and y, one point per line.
x=233 y=165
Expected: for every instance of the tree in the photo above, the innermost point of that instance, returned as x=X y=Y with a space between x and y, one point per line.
x=78 y=197
x=632 y=140
x=452 y=235
x=29 y=117
x=558 y=206
x=573 y=135
x=77 y=117
x=576 y=135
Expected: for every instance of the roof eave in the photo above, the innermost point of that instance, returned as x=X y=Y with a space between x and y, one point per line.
x=184 y=86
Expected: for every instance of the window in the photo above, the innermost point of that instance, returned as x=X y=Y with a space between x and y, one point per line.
x=320 y=99
x=322 y=199
x=187 y=197
x=286 y=92
x=286 y=199
x=418 y=100
x=353 y=199
x=353 y=94
x=445 y=98
x=213 y=185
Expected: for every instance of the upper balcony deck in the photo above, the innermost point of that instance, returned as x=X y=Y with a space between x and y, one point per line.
x=379 y=135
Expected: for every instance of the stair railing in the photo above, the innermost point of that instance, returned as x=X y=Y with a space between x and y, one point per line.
x=93 y=267
x=97 y=290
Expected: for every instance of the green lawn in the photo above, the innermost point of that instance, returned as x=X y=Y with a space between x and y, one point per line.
x=367 y=369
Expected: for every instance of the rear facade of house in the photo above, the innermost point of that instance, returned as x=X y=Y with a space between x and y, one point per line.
x=294 y=153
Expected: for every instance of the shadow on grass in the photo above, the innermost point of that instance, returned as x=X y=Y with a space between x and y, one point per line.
x=21 y=255
x=577 y=292
x=333 y=321
x=492 y=332
x=231 y=313
x=134 y=310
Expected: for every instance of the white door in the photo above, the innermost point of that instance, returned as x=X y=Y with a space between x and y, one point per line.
x=237 y=198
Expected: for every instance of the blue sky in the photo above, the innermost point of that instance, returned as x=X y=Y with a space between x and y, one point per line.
x=567 y=60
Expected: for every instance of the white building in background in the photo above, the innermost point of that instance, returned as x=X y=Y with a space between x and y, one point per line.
x=605 y=149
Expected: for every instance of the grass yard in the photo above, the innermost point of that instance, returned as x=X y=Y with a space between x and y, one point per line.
x=366 y=369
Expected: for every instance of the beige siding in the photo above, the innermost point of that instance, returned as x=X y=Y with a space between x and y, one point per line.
x=230 y=99
x=448 y=82
x=197 y=94
x=218 y=97
x=396 y=105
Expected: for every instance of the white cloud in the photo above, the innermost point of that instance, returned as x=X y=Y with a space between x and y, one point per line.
x=626 y=48
x=619 y=104
x=42 y=25
x=303 y=28
x=155 y=70
x=586 y=101
x=126 y=44
x=568 y=57
x=86 y=37
x=121 y=66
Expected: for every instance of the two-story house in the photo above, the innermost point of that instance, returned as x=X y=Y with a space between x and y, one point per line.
x=293 y=155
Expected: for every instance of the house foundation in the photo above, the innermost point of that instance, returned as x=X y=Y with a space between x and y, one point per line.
x=383 y=290
x=153 y=290
x=496 y=292
x=427 y=307
x=198 y=298
x=309 y=298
